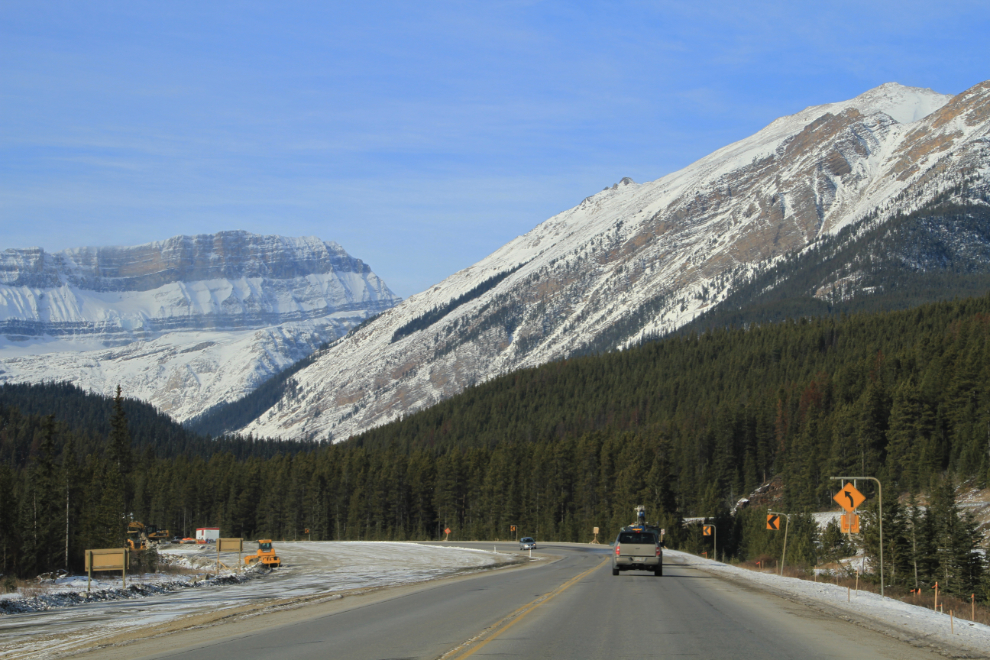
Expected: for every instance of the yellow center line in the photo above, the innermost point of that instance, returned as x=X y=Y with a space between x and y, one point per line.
x=529 y=607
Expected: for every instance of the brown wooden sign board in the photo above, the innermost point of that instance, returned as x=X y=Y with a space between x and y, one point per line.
x=106 y=559
x=230 y=545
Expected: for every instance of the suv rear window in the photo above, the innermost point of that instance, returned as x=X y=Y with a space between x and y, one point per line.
x=637 y=537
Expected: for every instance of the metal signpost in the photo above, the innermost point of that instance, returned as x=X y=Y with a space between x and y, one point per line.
x=709 y=530
x=849 y=498
x=773 y=522
x=106 y=559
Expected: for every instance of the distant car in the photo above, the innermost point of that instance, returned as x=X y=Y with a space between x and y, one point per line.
x=527 y=543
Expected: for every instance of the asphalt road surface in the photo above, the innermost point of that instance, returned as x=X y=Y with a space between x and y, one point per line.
x=572 y=608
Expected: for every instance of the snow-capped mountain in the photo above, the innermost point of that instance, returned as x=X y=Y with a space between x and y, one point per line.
x=184 y=323
x=643 y=258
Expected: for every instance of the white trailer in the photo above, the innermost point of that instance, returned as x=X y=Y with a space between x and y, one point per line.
x=207 y=534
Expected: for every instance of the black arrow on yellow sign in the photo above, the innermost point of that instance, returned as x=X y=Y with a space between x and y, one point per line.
x=773 y=522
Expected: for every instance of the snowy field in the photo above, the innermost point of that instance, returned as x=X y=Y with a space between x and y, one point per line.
x=308 y=569
x=918 y=623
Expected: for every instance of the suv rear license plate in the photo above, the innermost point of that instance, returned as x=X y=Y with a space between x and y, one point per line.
x=639 y=558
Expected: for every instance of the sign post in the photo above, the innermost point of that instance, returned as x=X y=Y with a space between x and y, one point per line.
x=229 y=545
x=773 y=522
x=447 y=532
x=709 y=530
x=596 y=535
x=512 y=528
x=849 y=498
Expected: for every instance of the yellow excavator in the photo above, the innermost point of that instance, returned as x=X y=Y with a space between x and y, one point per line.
x=140 y=535
x=137 y=538
x=265 y=555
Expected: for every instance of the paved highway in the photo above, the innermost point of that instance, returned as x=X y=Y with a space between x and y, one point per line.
x=571 y=608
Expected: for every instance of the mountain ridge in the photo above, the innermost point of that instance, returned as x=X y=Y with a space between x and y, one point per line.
x=184 y=323
x=676 y=243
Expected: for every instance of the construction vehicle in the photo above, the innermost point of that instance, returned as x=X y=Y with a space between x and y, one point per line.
x=158 y=535
x=265 y=555
x=137 y=537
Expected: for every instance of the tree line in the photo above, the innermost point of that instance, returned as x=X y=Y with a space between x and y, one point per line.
x=686 y=426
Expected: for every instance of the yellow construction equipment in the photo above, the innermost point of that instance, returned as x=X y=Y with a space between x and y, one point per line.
x=158 y=535
x=266 y=555
x=137 y=538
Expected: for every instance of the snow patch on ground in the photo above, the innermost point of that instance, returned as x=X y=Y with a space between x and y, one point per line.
x=921 y=622
x=29 y=625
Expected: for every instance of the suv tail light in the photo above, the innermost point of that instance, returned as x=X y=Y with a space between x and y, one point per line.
x=617 y=548
x=658 y=551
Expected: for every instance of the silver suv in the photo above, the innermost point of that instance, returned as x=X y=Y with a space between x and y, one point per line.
x=527 y=543
x=637 y=549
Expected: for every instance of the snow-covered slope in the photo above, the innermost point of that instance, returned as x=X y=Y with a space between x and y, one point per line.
x=645 y=258
x=184 y=323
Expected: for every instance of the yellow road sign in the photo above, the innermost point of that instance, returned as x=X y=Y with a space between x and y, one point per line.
x=849 y=523
x=849 y=498
x=773 y=522
x=707 y=531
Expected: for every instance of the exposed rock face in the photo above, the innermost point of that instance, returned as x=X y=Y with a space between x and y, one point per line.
x=183 y=323
x=226 y=280
x=646 y=258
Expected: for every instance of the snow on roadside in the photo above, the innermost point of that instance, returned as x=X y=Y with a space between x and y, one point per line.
x=309 y=568
x=921 y=621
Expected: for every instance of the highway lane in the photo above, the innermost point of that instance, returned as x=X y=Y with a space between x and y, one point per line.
x=572 y=608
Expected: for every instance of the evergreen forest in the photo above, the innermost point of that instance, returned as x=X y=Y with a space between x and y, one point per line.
x=686 y=426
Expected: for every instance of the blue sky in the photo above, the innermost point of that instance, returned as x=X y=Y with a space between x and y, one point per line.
x=421 y=138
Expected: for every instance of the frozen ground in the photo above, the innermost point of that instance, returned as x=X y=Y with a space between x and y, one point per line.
x=917 y=622
x=309 y=568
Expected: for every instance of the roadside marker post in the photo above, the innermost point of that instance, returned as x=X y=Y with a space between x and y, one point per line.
x=776 y=526
x=447 y=532
x=710 y=530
